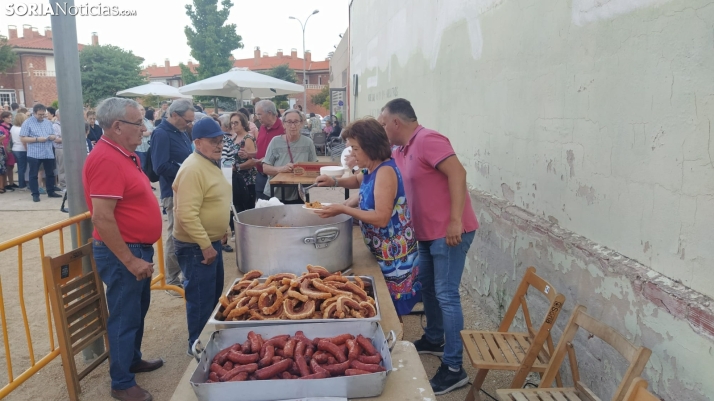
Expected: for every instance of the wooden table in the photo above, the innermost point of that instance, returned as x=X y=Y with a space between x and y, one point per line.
x=407 y=381
x=285 y=180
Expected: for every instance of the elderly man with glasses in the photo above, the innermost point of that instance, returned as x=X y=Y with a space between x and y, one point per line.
x=170 y=146
x=203 y=199
x=127 y=223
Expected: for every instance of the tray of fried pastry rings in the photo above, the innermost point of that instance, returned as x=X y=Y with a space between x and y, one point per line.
x=288 y=298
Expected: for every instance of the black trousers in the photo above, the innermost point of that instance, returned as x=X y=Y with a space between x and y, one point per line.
x=243 y=195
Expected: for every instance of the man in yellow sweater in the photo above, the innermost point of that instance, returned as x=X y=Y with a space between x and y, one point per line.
x=202 y=199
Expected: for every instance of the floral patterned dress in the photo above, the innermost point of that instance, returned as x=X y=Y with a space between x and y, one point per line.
x=395 y=245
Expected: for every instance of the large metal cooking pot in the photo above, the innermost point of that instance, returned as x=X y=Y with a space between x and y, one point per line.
x=285 y=239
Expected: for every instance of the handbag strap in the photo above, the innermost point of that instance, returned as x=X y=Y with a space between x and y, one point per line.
x=289 y=151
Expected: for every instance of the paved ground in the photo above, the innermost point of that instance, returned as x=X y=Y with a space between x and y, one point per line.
x=165 y=323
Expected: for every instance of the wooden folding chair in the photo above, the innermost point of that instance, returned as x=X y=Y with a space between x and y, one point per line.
x=522 y=352
x=79 y=309
x=636 y=356
x=638 y=391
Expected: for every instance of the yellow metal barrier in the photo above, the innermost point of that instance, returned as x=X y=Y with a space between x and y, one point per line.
x=158 y=282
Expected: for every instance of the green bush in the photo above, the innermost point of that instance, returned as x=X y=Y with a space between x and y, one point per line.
x=55 y=104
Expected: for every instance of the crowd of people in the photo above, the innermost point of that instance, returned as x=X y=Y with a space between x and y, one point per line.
x=206 y=163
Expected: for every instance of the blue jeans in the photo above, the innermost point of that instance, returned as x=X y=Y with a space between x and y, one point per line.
x=21 y=161
x=202 y=284
x=440 y=269
x=49 y=166
x=142 y=159
x=128 y=301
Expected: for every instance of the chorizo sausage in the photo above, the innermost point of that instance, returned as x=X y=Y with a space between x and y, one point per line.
x=367 y=345
x=218 y=369
x=366 y=366
x=267 y=359
x=255 y=344
x=213 y=377
x=289 y=349
x=316 y=368
x=302 y=365
x=320 y=357
x=277 y=341
x=370 y=359
x=353 y=349
x=228 y=365
x=277 y=359
x=242 y=359
x=273 y=370
x=333 y=349
x=242 y=376
x=355 y=372
x=299 y=349
x=246 y=347
x=286 y=375
x=341 y=339
x=337 y=369
x=220 y=357
x=309 y=350
x=249 y=368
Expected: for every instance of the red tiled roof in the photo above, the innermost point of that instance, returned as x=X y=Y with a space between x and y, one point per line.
x=260 y=64
x=159 y=71
x=40 y=42
x=266 y=63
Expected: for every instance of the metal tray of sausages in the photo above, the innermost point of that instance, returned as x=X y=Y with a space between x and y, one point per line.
x=221 y=324
x=367 y=385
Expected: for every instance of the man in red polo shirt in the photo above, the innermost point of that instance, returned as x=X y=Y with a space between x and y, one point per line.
x=444 y=224
x=270 y=127
x=127 y=222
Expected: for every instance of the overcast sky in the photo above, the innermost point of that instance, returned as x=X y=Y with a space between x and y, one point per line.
x=157 y=30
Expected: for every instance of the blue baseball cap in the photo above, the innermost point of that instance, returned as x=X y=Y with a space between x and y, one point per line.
x=206 y=128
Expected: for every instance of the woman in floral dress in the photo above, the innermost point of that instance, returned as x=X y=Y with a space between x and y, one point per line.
x=383 y=211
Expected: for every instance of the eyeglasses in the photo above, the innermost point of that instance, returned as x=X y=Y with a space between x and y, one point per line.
x=139 y=124
x=38 y=115
x=290 y=122
x=234 y=123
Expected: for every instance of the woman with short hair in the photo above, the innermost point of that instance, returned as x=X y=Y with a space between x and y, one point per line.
x=383 y=211
x=19 y=150
x=284 y=151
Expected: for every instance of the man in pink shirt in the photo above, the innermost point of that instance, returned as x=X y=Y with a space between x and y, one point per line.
x=270 y=127
x=444 y=224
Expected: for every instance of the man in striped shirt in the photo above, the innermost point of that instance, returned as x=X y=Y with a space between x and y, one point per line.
x=38 y=135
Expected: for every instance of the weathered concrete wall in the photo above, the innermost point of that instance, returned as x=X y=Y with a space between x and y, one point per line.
x=649 y=309
x=579 y=116
x=597 y=117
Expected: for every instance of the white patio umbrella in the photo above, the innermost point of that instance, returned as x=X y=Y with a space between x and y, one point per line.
x=241 y=83
x=153 y=89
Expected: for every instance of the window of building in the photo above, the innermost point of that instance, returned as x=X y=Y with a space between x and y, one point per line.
x=7 y=97
x=319 y=80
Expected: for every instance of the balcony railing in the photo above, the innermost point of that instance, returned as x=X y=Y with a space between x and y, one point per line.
x=311 y=86
x=43 y=73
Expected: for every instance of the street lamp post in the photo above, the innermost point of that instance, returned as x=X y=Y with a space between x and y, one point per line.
x=303 y=56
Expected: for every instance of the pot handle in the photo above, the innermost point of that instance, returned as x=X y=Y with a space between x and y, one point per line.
x=323 y=237
x=197 y=349
x=391 y=337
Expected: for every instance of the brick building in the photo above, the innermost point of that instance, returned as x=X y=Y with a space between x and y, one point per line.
x=317 y=73
x=32 y=79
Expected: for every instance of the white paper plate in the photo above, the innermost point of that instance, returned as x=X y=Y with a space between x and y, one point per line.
x=313 y=209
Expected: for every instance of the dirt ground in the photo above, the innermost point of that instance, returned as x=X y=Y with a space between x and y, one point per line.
x=165 y=330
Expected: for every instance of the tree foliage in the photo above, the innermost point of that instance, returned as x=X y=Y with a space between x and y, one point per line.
x=7 y=57
x=323 y=97
x=211 y=39
x=105 y=70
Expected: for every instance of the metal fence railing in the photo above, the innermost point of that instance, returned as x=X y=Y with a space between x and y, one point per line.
x=16 y=300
